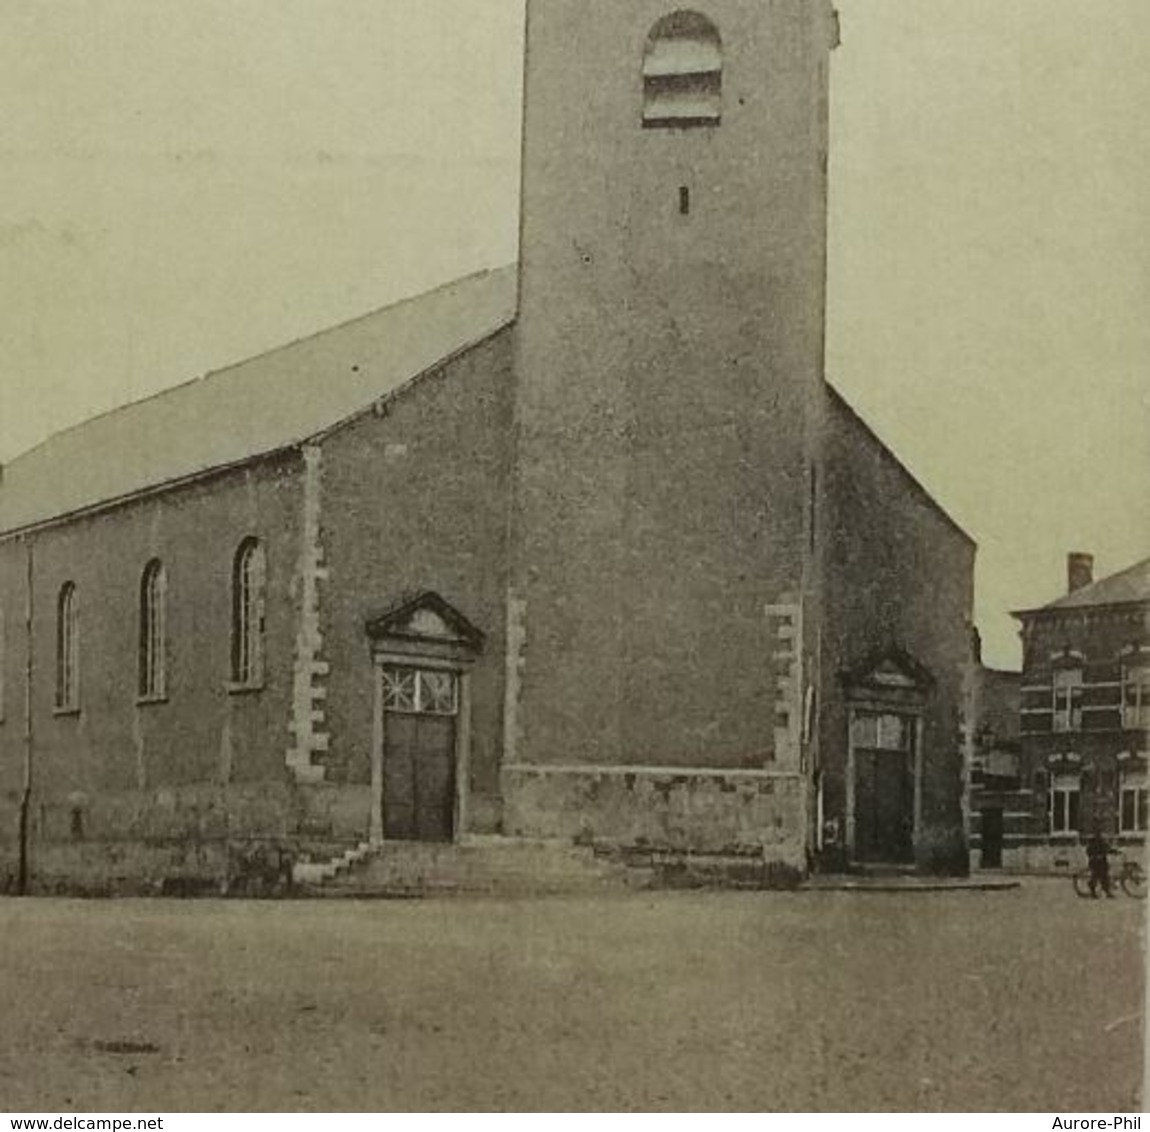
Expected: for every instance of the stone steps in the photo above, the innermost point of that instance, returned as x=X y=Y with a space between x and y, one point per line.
x=492 y=866
x=319 y=872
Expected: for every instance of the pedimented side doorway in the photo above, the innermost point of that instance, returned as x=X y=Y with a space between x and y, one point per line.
x=887 y=697
x=423 y=650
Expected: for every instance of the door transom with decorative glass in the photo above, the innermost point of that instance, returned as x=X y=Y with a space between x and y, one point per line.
x=420 y=707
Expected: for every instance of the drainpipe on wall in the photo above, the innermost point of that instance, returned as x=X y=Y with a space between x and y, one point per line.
x=26 y=796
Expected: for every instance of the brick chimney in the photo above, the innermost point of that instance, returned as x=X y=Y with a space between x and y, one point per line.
x=1079 y=571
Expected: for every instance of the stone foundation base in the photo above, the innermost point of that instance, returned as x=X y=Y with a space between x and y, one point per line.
x=1057 y=860
x=186 y=840
x=734 y=812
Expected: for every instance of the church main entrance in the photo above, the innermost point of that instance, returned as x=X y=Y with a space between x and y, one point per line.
x=419 y=742
x=423 y=650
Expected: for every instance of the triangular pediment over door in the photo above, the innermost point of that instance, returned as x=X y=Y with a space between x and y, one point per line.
x=891 y=675
x=424 y=624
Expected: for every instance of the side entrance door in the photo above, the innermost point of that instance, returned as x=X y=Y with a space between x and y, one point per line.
x=884 y=788
x=884 y=807
x=420 y=708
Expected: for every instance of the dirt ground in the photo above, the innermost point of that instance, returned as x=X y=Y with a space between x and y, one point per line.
x=1029 y=1000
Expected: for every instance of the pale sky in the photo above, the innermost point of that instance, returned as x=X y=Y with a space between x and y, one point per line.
x=188 y=183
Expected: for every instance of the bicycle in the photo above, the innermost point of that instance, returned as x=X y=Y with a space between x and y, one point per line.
x=1130 y=877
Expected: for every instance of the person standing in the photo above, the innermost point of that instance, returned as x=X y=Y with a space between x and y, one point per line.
x=1098 y=857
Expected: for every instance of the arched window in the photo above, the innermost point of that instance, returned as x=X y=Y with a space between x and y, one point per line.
x=248 y=581
x=683 y=72
x=153 y=631
x=68 y=648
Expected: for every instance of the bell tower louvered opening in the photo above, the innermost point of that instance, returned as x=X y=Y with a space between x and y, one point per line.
x=683 y=72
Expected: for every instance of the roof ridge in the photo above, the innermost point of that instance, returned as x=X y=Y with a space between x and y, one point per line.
x=259 y=355
x=256 y=405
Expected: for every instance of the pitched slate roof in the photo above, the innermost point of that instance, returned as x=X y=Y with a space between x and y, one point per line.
x=1127 y=587
x=263 y=405
x=270 y=403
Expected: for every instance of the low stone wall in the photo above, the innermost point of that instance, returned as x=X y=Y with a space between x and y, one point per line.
x=183 y=840
x=331 y=813
x=1058 y=860
x=1044 y=859
x=695 y=811
x=941 y=850
x=131 y=867
x=193 y=812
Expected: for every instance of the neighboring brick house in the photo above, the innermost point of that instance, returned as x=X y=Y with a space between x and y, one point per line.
x=587 y=551
x=1085 y=716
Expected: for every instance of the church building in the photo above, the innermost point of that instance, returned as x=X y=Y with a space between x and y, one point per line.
x=585 y=550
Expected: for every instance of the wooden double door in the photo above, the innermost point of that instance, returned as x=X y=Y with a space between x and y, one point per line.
x=419 y=753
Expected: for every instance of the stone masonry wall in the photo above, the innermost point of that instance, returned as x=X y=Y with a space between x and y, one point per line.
x=705 y=812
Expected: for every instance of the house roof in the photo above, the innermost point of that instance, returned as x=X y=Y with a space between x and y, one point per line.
x=266 y=404
x=1127 y=587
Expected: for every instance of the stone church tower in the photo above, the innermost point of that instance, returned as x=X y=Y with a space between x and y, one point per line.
x=670 y=388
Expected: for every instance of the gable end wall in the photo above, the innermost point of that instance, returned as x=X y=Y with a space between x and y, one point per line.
x=897 y=572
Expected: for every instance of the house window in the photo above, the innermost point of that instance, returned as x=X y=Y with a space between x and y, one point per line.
x=153 y=631
x=248 y=585
x=1062 y=803
x=1132 y=808
x=1136 y=698
x=67 y=649
x=1067 y=699
x=420 y=691
x=683 y=72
